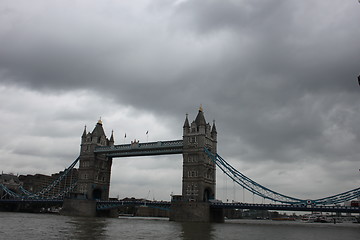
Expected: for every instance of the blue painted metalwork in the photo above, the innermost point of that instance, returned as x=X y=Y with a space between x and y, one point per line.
x=104 y=205
x=55 y=182
x=23 y=190
x=176 y=147
x=287 y=207
x=267 y=193
x=10 y=193
x=339 y=198
x=142 y=149
x=62 y=194
x=15 y=195
x=38 y=201
x=41 y=194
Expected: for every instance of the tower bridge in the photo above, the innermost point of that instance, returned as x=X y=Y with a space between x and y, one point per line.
x=97 y=153
x=198 y=147
x=198 y=183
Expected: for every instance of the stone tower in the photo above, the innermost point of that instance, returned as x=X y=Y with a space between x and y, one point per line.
x=199 y=178
x=94 y=169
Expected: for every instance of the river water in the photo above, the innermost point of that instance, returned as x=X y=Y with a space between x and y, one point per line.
x=48 y=226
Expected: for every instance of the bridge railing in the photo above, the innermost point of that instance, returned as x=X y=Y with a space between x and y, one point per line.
x=287 y=207
x=103 y=205
x=142 y=149
x=149 y=145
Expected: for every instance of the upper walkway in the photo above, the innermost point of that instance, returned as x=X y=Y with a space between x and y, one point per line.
x=142 y=149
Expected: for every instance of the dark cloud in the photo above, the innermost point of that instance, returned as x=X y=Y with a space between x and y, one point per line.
x=278 y=76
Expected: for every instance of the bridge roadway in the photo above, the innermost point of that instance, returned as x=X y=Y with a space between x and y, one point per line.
x=103 y=205
x=286 y=207
x=142 y=149
x=28 y=200
x=278 y=207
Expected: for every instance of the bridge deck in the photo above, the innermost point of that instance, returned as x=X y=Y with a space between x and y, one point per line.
x=143 y=149
x=102 y=205
x=287 y=207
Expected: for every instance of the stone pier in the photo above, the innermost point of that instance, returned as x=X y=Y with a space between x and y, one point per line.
x=85 y=208
x=195 y=212
x=79 y=207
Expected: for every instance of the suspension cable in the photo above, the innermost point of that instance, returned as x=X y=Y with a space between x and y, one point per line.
x=52 y=186
x=267 y=193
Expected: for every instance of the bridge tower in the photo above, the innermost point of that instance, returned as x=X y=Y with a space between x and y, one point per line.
x=94 y=176
x=199 y=178
x=94 y=169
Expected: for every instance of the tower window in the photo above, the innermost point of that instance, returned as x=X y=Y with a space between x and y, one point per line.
x=192 y=158
x=192 y=139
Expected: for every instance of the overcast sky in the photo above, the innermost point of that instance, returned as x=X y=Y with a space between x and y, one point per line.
x=278 y=76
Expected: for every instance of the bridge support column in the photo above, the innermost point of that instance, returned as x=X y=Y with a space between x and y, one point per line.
x=85 y=208
x=183 y=211
x=79 y=207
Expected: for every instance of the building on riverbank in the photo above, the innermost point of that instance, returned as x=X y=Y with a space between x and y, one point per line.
x=11 y=182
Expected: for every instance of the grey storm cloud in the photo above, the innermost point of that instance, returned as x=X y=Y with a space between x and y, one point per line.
x=278 y=76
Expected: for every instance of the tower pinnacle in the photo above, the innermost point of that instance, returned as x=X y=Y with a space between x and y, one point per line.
x=186 y=123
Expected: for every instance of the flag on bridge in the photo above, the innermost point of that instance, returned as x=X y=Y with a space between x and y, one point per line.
x=359 y=79
x=147 y=132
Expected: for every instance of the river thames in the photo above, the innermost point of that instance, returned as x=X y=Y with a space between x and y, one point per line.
x=48 y=226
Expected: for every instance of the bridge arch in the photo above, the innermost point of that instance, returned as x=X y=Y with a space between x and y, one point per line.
x=97 y=194
x=208 y=195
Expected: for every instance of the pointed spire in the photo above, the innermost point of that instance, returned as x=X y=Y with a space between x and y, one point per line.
x=100 y=121
x=186 y=123
x=112 y=136
x=200 y=119
x=98 y=130
x=213 y=130
x=84 y=133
